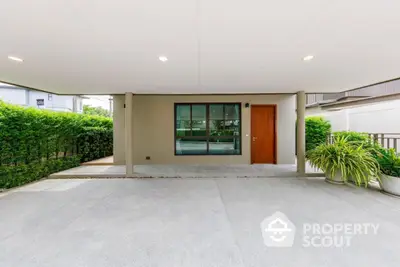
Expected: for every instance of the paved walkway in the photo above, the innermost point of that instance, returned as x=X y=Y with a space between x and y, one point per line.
x=102 y=161
x=189 y=223
x=184 y=171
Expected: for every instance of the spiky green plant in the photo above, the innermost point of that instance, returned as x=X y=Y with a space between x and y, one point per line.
x=346 y=159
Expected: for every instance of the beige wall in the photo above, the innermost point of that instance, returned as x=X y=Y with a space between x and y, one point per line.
x=154 y=128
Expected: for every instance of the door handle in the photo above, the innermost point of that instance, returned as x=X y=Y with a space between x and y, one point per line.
x=254 y=138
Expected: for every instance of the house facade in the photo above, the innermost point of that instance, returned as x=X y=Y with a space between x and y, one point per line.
x=43 y=100
x=208 y=129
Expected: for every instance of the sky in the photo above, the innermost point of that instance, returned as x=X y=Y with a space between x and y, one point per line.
x=97 y=101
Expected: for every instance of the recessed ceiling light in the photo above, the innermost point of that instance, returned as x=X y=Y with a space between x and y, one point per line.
x=308 y=58
x=163 y=58
x=15 y=58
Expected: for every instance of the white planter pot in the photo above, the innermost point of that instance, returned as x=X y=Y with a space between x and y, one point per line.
x=337 y=179
x=390 y=184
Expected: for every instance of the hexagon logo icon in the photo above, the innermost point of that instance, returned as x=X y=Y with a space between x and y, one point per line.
x=278 y=231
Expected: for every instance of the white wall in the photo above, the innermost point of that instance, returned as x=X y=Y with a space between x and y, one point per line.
x=14 y=96
x=61 y=102
x=382 y=117
x=154 y=128
x=55 y=102
x=34 y=95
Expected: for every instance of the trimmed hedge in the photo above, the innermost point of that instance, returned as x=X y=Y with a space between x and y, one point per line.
x=95 y=143
x=30 y=134
x=30 y=137
x=11 y=176
x=317 y=130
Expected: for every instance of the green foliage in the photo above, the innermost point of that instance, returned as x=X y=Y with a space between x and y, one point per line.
x=389 y=162
x=346 y=158
x=361 y=139
x=95 y=142
x=317 y=130
x=97 y=111
x=226 y=132
x=11 y=176
x=354 y=137
x=33 y=136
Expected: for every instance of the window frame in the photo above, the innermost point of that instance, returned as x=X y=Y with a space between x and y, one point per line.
x=207 y=104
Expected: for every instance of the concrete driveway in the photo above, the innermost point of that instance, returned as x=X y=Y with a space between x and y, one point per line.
x=195 y=222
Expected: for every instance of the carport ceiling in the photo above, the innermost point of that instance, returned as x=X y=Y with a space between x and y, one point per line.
x=212 y=46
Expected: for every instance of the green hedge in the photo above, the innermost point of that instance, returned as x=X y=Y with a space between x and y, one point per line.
x=30 y=134
x=95 y=142
x=317 y=130
x=11 y=176
x=30 y=137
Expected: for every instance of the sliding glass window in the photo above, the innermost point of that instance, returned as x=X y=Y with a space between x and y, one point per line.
x=208 y=129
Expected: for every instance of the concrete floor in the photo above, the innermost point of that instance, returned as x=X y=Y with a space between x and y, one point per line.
x=185 y=171
x=188 y=222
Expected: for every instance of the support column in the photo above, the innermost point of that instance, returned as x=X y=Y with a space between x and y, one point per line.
x=129 y=134
x=301 y=133
x=119 y=129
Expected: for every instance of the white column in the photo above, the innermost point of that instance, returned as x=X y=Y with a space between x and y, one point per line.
x=74 y=104
x=119 y=129
x=129 y=134
x=301 y=133
x=111 y=106
x=27 y=97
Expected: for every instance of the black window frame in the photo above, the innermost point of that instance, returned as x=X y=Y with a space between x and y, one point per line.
x=208 y=136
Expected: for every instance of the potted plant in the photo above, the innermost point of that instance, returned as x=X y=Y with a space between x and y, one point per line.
x=374 y=149
x=389 y=164
x=342 y=159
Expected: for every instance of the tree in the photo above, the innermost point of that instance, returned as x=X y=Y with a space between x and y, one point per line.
x=99 y=111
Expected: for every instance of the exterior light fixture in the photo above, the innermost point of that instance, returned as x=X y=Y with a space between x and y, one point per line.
x=163 y=58
x=17 y=59
x=308 y=58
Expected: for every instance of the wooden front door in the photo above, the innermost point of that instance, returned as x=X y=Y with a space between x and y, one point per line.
x=263 y=134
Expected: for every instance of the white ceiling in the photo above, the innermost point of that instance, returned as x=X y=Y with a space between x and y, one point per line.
x=213 y=46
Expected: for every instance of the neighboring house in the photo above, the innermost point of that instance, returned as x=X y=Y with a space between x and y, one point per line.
x=31 y=98
x=372 y=109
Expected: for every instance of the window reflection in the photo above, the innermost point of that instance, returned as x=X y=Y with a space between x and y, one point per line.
x=212 y=129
